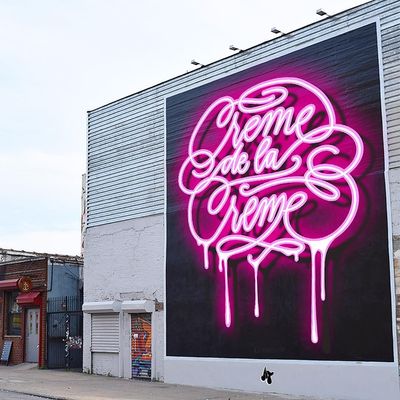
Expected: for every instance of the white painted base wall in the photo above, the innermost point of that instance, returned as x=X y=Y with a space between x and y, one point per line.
x=105 y=364
x=124 y=261
x=330 y=380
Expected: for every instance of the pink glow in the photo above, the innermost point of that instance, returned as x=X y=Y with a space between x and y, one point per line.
x=253 y=189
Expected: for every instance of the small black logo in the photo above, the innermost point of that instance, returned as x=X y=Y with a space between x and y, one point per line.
x=267 y=376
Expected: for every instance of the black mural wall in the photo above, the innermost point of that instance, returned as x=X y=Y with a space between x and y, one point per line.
x=354 y=322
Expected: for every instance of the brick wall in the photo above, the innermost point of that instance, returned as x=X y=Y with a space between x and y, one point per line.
x=37 y=271
x=17 y=350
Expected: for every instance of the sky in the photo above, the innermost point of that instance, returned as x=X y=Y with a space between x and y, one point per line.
x=59 y=59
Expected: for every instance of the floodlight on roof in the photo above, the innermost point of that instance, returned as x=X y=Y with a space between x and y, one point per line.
x=322 y=13
x=196 y=63
x=234 y=48
x=277 y=31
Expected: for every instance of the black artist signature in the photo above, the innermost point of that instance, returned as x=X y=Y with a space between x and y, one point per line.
x=267 y=376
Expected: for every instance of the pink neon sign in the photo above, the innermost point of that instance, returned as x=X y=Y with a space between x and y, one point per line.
x=254 y=163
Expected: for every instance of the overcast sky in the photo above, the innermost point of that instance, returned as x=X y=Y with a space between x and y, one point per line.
x=59 y=59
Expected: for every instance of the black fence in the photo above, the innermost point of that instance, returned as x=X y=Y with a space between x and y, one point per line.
x=64 y=332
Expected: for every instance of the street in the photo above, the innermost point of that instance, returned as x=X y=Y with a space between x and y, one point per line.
x=5 y=395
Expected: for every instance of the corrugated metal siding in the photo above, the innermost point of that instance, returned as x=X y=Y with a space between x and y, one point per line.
x=391 y=72
x=126 y=137
x=105 y=333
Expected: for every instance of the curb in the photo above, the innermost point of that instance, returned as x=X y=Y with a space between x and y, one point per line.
x=43 y=396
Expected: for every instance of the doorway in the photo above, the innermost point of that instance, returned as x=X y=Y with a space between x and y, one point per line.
x=141 y=345
x=32 y=324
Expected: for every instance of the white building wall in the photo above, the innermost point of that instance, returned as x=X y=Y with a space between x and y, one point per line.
x=105 y=364
x=394 y=179
x=125 y=261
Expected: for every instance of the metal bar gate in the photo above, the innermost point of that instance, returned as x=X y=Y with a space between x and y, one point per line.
x=64 y=332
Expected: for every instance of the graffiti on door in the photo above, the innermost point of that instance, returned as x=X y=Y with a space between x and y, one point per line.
x=141 y=345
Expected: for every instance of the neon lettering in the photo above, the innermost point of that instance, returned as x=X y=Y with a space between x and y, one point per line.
x=266 y=161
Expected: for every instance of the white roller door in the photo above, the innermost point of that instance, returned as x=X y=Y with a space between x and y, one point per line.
x=105 y=333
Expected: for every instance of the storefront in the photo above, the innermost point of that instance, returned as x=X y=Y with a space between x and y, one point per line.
x=41 y=308
x=23 y=312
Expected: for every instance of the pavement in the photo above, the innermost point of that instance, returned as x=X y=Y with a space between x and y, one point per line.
x=6 y=395
x=23 y=381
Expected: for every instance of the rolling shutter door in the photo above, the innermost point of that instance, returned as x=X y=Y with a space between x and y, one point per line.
x=105 y=333
x=141 y=345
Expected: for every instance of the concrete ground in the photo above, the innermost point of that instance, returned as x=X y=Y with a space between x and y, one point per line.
x=27 y=379
x=6 y=395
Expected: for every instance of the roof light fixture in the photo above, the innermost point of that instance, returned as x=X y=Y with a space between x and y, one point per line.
x=277 y=31
x=322 y=13
x=234 y=48
x=194 y=62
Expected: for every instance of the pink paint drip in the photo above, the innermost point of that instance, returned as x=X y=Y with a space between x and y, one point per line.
x=227 y=167
x=256 y=300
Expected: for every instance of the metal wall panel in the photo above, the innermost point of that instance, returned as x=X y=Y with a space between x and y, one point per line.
x=126 y=137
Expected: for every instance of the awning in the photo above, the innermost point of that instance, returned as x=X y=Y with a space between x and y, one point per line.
x=101 y=307
x=28 y=299
x=9 y=284
x=138 y=306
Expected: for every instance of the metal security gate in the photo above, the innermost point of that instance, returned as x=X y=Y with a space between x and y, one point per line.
x=64 y=332
x=141 y=345
x=105 y=333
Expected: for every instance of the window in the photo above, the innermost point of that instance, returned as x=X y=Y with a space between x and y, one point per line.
x=14 y=314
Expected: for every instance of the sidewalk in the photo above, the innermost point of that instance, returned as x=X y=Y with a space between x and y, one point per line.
x=56 y=384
